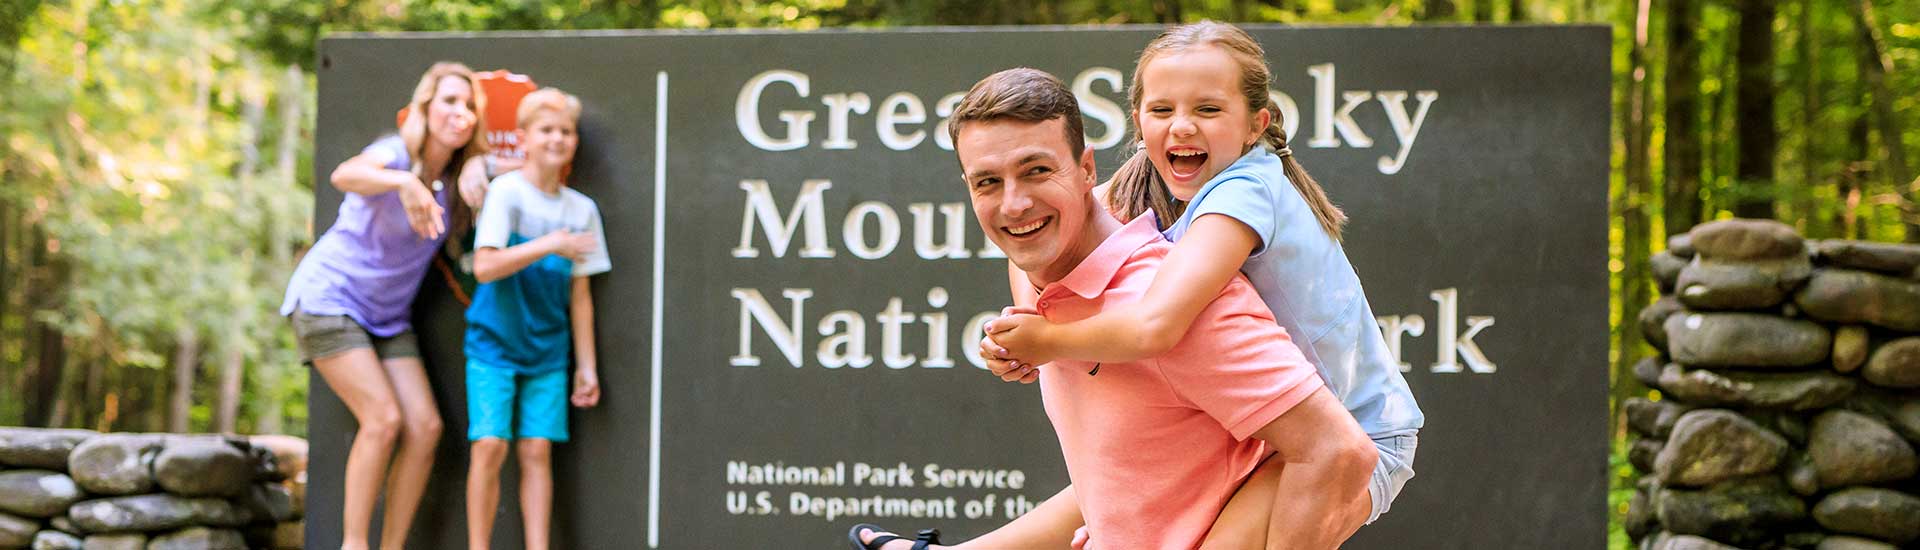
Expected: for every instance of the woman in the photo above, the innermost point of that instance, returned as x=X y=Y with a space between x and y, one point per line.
x=351 y=297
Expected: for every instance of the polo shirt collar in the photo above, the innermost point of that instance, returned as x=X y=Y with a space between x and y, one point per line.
x=1094 y=273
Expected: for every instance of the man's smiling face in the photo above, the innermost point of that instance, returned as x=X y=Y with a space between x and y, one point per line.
x=1031 y=192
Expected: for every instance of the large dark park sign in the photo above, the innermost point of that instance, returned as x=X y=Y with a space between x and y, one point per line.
x=798 y=282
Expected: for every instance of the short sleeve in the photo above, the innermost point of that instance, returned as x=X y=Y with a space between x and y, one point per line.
x=597 y=261
x=1237 y=365
x=1244 y=199
x=494 y=225
x=394 y=148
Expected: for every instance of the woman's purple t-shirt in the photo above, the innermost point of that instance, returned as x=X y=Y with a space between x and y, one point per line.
x=368 y=266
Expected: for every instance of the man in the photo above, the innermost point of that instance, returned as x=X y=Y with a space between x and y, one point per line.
x=1155 y=448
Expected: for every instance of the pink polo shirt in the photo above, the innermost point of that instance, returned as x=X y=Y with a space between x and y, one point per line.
x=1156 y=447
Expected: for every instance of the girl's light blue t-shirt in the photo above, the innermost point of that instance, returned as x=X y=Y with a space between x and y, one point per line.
x=1304 y=277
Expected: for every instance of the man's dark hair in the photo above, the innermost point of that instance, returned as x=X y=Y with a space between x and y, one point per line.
x=1023 y=94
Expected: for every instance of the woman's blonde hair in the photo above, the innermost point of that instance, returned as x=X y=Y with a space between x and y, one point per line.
x=413 y=131
x=1137 y=187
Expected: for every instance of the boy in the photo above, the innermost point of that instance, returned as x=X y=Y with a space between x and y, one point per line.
x=536 y=242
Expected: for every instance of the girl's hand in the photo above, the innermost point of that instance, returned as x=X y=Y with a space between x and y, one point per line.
x=423 y=213
x=1081 y=539
x=1000 y=362
x=1023 y=336
x=586 y=388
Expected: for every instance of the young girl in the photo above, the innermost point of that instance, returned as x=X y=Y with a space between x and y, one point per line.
x=1215 y=163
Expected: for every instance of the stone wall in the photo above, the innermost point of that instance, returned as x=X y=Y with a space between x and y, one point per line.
x=1788 y=412
x=73 y=489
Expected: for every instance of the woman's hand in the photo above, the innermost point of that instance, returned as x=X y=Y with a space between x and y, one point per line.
x=1022 y=336
x=473 y=182
x=423 y=213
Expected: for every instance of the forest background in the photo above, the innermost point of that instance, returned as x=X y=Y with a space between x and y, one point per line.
x=155 y=183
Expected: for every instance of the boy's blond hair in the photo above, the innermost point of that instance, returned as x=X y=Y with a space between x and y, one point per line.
x=547 y=99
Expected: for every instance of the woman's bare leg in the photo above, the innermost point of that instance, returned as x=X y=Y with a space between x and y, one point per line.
x=413 y=464
x=358 y=378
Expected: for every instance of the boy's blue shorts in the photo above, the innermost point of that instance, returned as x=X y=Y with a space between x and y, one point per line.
x=503 y=404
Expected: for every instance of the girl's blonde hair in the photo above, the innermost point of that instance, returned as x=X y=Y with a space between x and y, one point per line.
x=1137 y=187
x=413 y=131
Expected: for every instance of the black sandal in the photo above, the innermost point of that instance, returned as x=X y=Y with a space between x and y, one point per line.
x=925 y=538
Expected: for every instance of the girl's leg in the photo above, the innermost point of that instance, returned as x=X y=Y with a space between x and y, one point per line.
x=357 y=377
x=1049 y=525
x=413 y=464
x=483 y=490
x=536 y=490
x=1248 y=515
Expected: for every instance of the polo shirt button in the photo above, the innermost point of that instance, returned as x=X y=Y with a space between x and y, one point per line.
x=1044 y=304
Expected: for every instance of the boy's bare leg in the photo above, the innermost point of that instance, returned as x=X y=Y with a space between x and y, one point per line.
x=413 y=463
x=358 y=378
x=483 y=490
x=1047 y=526
x=536 y=490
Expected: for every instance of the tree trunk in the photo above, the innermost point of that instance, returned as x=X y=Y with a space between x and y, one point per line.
x=1437 y=10
x=50 y=350
x=1635 y=287
x=1854 y=177
x=1808 y=210
x=1879 y=67
x=1483 y=11
x=1682 y=190
x=50 y=358
x=1517 y=11
x=232 y=375
x=1754 y=120
x=186 y=357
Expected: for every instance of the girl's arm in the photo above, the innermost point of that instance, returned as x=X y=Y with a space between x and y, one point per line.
x=586 y=372
x=1191 y=276
x=1023 y=294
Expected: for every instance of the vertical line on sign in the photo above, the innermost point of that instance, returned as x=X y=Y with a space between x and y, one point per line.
x=659 y=269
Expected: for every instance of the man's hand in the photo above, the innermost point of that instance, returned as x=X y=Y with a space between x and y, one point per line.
x=423 y=214
x=574 y=246
x=586 y=387
x=1022 y=337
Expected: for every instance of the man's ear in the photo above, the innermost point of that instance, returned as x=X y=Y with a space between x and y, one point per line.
x=1086 y=164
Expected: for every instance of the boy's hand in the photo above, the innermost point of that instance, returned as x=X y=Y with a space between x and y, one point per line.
x=1022 y=337
x=423 y=213
x=1001 y=362
x=574 y=246
x=586 y=388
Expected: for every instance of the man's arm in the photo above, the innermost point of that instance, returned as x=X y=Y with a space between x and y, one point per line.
x=1326 y=463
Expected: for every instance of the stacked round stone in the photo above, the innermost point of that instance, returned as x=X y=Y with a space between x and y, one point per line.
x=73 y=489
x=1787 y=403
